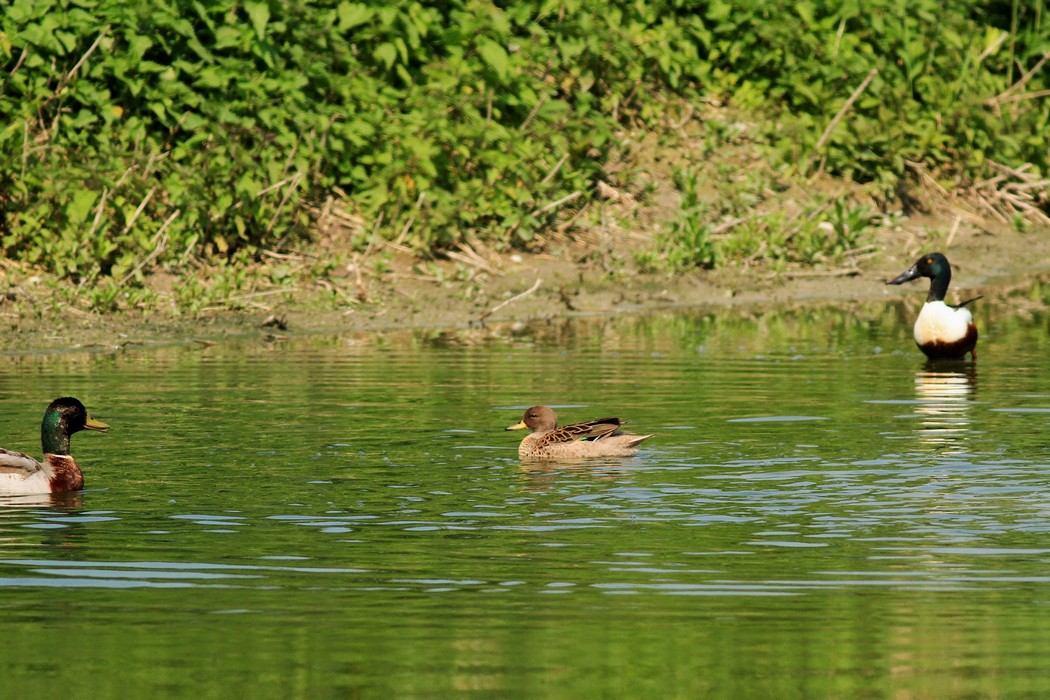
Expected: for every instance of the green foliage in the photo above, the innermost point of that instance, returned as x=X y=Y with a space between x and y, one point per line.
x=690 y=242
x=738 y=224
x=946 y=92
x=231 y=119
x=136 y=134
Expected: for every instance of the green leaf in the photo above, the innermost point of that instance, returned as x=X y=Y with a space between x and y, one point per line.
x=138 y=45
x=81 y=206
x=386 y=53
x=352 y=14
x=259 y=13
x=495 y=56
x=211 y=78
x=227 y=37
x=806 y=11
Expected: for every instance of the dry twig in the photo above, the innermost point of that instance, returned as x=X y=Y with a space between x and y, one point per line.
x=556 y=203
x=841 y=113
x=840 y=272
x=162 y=241
x=411 y=220
x=1008 y=94
x=138 y=211
x=72 y=73
x=516 y=297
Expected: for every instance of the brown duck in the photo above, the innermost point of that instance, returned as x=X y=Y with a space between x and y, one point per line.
x=595 y=438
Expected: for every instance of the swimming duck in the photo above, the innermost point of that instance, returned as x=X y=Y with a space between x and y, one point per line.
x=21 y=474
x=942 y=331
x=595 y=438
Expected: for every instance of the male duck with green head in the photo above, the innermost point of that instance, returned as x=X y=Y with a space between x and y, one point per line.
x=21 y=474
x=942 y=331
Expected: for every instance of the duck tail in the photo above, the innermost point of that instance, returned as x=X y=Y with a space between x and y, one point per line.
x=635 y=440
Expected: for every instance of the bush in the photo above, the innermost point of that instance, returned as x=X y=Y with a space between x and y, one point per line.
x=154 y=130
x=138 y=133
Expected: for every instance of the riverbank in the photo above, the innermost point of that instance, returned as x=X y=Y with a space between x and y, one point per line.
x=504 y=291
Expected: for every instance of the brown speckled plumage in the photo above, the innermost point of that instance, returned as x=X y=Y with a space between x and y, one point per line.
x=594 y=438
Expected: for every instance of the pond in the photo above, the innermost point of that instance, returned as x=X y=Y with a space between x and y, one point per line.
x=819 y=514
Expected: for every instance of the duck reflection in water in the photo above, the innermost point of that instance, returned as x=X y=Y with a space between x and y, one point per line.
x=66 y=500
x=29 y=522
x=545 y=476
x=945 y=395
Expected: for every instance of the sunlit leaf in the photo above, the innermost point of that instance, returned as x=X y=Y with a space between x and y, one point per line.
x=386 y=53
x=81 y=205
x=495 y=56
x=352 y=14
x=259 y=14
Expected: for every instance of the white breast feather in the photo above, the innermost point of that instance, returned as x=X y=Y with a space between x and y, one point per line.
x=939 y=322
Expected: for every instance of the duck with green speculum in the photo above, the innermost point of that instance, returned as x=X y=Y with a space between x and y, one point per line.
x=942 y=331
x=21 y=474
x=595 y=438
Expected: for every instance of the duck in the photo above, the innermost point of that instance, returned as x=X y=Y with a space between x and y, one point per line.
x=594 y=438
x=942 y=331
x=21 y=474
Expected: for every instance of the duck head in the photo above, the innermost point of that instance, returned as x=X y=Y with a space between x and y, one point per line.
x=932 y=265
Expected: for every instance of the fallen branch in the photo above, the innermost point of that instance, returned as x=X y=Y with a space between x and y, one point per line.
x=954 y=230
x=532 y=114
x=1024 y=96
x=18 y=64
x=841 y=272
x=162 y=242
x=993 y=47
x=516 y=297
x=138 y=212
x=253 y=295
x=469 y=256
x=841 y=113
x=98 y=214
x=554 y=170
x=1008 y=94
x=556 y=203
x=411 y=220
x=690 y=109
x=279 y=185
x=295 y=179
x=71 y=74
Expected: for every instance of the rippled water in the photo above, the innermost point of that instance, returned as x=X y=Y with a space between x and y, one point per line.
x=819 y=515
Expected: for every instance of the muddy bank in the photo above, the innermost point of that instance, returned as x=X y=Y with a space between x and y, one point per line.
x=528 y=288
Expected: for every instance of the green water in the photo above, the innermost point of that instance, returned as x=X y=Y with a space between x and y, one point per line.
x=819 y=515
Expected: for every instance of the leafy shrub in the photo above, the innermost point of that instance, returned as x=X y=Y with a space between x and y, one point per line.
x=140 y=133
x=737 y=223
x=946 y=94
x=231 y=119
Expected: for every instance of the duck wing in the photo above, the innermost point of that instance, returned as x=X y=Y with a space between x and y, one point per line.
x=590 y=430
x=18 y=463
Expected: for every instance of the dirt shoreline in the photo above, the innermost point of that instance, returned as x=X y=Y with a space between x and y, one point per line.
x=533 y=288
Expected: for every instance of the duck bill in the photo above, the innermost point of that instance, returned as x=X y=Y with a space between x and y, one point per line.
x=520 y=425
x=93 y=424
x=906 y=276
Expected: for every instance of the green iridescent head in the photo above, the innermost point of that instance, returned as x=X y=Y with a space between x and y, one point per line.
x=62 y=418
x=936 y=267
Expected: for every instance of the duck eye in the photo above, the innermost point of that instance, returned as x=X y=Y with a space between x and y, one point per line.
x=929 y=261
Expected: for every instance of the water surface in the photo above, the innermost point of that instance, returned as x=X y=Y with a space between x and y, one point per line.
x=820 y=514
